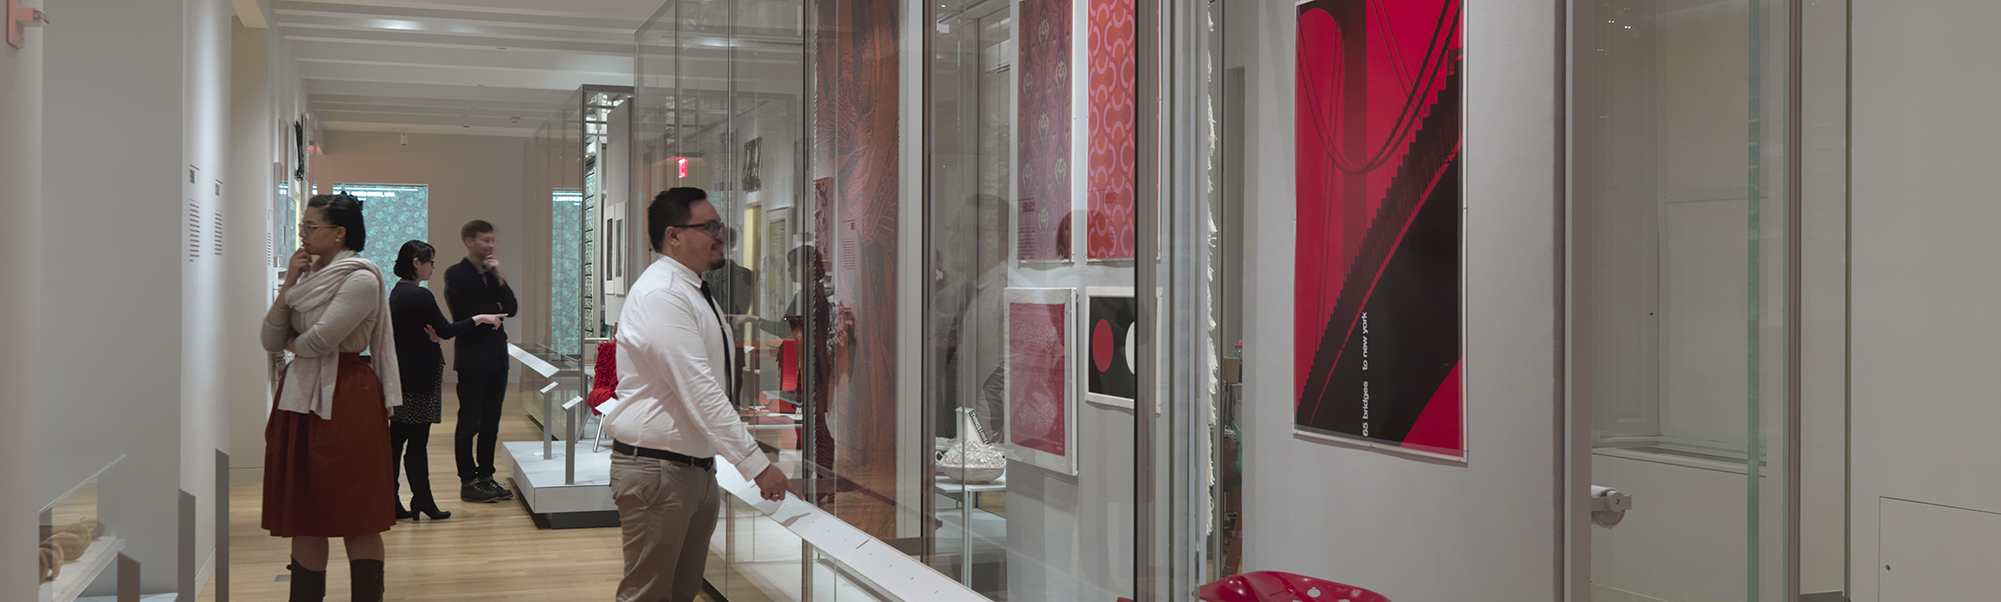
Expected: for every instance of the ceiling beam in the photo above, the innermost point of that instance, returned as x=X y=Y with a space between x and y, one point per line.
x=426 y=13
x=251 y=13
x=367 y=126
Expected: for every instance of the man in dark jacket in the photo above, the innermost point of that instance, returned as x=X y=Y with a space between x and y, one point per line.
x=472 y=287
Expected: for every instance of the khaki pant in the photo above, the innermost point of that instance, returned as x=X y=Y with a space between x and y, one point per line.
x=667 y=511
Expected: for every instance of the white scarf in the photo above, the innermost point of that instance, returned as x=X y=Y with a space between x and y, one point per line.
x=309 y=381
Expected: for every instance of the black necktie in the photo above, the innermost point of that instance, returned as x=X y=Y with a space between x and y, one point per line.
x=729 y=371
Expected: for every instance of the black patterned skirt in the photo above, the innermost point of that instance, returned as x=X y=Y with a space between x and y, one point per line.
x=423 y=405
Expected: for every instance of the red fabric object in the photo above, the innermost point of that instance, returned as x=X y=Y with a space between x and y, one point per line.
x=604 y=385
x=788 y=365
x=328 y=478
x=1274 y=586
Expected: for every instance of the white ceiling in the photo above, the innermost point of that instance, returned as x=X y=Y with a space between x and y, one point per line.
x=498 y=67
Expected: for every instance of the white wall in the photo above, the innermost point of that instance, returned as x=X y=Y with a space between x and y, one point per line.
x=470 y=177
x=120 y=136
x=264 y=90
x=1924 y=285
x=205 y=327
x=1413 y=529
x=20 y=241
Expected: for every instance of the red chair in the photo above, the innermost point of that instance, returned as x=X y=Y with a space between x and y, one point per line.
x=1274 y=586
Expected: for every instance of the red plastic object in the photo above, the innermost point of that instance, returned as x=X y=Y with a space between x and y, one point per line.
x=604 y=384
x=1274 y=586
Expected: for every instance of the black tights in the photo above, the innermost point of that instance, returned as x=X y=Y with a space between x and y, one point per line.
x=415 y=459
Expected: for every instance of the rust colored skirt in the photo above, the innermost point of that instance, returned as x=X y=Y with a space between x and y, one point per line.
x=330 y=478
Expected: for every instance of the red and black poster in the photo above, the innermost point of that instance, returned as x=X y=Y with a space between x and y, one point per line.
x=1111 y=317
x=1378 y=301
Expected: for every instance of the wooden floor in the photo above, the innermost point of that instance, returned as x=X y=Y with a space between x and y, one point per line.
x=483 y=552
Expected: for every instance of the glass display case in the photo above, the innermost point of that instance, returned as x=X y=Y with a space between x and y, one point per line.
x=77 y=548
x=572 y=185
x=568 y=192
x=1678 y=213
x=934 y=233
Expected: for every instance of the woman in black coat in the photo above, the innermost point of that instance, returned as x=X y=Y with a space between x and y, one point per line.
x=419 y=328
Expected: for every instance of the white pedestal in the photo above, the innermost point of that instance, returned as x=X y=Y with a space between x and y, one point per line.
x=538 y=483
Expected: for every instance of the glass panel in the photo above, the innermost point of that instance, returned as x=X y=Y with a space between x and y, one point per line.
x=1032 y=309
x=719 y=106
x=1679 y=300
x=561 y=284
x=970 y=114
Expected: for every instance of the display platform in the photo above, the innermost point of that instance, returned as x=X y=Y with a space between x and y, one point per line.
x=554 y=504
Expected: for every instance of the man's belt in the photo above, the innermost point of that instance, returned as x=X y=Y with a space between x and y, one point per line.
x=661 y=454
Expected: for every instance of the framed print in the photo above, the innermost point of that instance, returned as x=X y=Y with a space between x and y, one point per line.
x=753 y=165
x=1041 y=397
x=1111 y=315
x=1043 y=178
x=1113 y=136
x=1379 y=303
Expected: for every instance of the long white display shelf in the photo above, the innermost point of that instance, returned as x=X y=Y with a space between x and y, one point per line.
x=541 y=367
x=894 y=572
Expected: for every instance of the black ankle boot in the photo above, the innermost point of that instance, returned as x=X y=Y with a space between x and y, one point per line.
x=428 y=507
x=308 y=585
x=400 y=512
x=366 y=579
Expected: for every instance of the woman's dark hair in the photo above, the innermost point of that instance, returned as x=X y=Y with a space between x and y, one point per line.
x=417 y=250
x=343 y=210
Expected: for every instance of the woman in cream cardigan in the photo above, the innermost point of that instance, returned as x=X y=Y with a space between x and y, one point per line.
x=326 y=457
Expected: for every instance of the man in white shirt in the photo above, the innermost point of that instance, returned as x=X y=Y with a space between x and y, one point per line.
x=674 y=373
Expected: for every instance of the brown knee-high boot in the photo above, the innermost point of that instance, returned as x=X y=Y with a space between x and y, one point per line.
x=366 y=580
x=307 y=585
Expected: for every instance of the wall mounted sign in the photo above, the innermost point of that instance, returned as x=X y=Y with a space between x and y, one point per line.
x=1378 y=304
